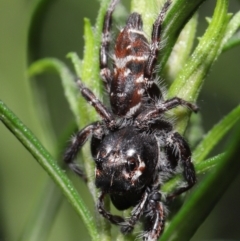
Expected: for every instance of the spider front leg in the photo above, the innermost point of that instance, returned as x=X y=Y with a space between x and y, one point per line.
x=127 y=226
x=151 y=206
x=77 y=142
x=95 y=129
x=105 y=42
x=178 y=147
x=114 y=219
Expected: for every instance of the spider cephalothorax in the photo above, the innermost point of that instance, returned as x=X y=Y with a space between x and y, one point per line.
x=134 y=147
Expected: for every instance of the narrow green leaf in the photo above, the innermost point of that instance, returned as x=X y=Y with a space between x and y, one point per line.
x=215 y=135
x=178 y=15
x=68 y=81
x=42 y=219
x=207 y=165
x=190 y=79
x=31 y=143
x=88 y=68
x=84 y=117
x=77 y=63
x=230 y=40
x=77 y=104
x=38 y=10
x=181 y=49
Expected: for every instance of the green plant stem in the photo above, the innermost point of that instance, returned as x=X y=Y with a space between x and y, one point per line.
x=30 y=142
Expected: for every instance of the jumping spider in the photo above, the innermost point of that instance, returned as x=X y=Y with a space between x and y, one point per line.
x=134 y=147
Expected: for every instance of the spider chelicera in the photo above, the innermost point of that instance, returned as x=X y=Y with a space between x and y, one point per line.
x=134 y=146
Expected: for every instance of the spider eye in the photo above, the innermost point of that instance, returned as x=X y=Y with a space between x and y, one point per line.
x=131 y=163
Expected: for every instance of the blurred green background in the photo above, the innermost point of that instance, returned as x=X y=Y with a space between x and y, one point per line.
x=58 y=30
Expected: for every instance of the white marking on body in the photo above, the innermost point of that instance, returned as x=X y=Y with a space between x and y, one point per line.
x=133 y=110
x=121 y=62
x=108 y=149
x=74 y=139
x=141 y=167
x=130 y=152
x=140 y=91
x=125 y=174
x=112 y=179
x=149 y=82
x=121 y=94
x=140 y=79
x=161 y=106
x=138 y=32
x=161 y=155
x=169 y=139
x=106 y=37
x=127 y=71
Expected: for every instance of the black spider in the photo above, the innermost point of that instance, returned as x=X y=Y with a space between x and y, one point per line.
x=134 y=147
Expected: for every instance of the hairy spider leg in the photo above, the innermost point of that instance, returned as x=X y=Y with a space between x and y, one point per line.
x=127 y=225
x=96 y=103
x=75 y=145
x=105 y=72
x=114 y=219
x=149 y=71
x=83 y=135
x=179 y=147
x=155 y=220
x=135 y=214
x=154 y=113
x=155 y=41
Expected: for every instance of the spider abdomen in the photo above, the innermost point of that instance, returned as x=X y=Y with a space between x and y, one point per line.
x=130 y=58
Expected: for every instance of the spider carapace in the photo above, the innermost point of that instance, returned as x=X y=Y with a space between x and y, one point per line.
x=135 y=148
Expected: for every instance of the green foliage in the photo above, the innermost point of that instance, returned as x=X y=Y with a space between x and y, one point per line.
x=187 y=81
